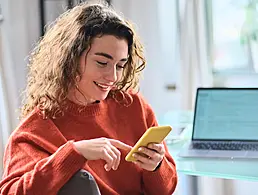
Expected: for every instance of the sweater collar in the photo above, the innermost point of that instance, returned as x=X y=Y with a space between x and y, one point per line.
x=85 y=110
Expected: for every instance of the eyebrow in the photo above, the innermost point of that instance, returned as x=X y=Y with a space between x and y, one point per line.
x=109 y=56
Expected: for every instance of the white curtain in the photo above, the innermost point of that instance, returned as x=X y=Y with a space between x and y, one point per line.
x=18 y=32
x=8 y=97
x=5 y=123
x=195 y=69
x=4 y=119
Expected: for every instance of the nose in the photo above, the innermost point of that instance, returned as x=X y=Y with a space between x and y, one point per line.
x=111 y=75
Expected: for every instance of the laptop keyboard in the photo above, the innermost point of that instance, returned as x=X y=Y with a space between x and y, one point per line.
x=225 y=146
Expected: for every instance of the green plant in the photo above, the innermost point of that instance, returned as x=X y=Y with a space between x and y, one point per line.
x=249 y=31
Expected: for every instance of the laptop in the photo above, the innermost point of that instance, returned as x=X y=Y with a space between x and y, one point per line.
x=225 y=124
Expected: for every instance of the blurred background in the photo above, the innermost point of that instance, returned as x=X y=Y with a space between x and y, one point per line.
x=188 y=44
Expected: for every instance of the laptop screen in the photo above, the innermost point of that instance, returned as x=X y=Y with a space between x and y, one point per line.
x=226 y=114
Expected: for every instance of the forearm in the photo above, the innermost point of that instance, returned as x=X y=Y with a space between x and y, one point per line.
x=47 y=176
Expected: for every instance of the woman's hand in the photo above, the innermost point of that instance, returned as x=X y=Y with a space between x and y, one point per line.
x=102 y=148
x=150 y=157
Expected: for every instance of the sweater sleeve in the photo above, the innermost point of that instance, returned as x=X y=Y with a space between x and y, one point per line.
x=164 y=179
x=30 y=170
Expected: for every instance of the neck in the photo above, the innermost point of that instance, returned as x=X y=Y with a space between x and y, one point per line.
x=78 y=97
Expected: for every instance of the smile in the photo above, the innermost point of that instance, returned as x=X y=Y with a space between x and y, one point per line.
x=103 y=86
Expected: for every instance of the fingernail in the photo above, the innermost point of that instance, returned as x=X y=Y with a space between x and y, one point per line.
x=140 y=149
x=106 y=167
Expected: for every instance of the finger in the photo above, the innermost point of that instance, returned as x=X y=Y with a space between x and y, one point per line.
x=157 y=147
x=149 y=152
x=108 y=158
x=120 y=145
x=143 y=159
x=114 y=153
x=118 y=157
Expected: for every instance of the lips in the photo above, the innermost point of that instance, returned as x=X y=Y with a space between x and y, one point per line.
x=103 y=86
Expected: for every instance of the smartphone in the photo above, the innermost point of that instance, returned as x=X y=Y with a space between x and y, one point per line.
x=152 y=135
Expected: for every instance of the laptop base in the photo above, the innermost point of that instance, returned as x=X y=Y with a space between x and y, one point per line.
x=230 y=154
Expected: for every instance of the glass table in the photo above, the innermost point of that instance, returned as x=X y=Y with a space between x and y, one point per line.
x=219 y=168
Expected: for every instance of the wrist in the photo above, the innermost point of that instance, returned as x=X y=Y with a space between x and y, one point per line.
x=157 y=167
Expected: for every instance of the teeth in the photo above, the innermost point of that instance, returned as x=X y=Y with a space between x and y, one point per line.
x=102 y=86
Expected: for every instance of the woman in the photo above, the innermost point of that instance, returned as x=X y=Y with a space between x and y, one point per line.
x=81 y=112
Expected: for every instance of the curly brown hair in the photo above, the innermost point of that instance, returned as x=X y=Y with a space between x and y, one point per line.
x=54 y=63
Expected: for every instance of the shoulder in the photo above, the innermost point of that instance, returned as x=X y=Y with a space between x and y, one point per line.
x=130 y=99
x=140 y=101
x=33 y=124
x=146 y=109
x=36 y=131
x=136 y=104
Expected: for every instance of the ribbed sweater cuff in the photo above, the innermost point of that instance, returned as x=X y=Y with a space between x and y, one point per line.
x=164 y=175
x=68 y=161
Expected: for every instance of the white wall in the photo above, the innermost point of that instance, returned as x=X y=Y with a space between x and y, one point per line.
x=53 y=9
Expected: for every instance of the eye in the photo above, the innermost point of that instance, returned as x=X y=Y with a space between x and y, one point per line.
x=102 y=63
x=120 y=67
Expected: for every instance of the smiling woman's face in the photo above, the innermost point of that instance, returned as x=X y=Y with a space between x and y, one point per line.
x=102 y=66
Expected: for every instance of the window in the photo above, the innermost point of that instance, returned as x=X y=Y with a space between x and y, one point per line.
x=233 y=35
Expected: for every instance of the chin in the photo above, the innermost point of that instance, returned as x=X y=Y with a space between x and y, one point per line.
x=101 y=97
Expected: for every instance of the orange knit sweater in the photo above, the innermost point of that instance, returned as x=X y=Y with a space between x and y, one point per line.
x=40 y=157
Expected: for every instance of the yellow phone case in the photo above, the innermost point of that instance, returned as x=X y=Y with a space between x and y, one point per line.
x=152 y=135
